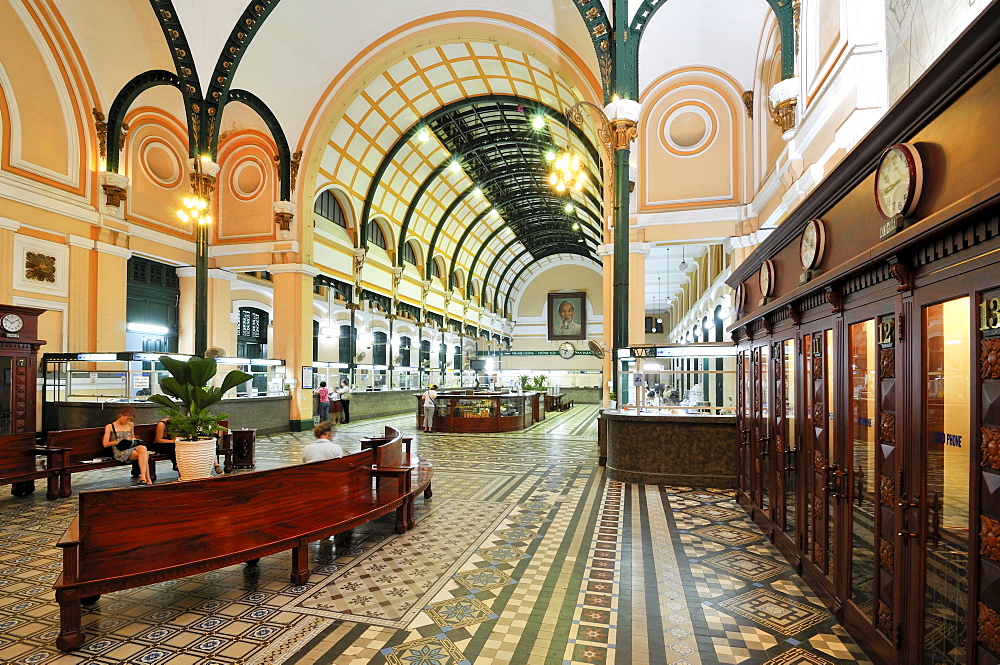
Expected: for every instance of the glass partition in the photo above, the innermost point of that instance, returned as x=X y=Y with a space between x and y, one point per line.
x=674 y=379
x=861 y=424
x=132 y=377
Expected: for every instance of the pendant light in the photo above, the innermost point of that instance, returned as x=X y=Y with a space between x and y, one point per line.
x=658 y=294
x=683 y=265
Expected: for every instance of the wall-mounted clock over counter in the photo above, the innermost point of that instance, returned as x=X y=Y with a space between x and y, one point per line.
x=812 y=245
x=899 y=180
x=765 y=279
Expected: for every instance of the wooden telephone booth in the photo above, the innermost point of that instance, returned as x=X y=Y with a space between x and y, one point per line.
x=18 y=367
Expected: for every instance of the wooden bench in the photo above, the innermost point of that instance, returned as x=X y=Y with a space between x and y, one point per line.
x=397 y=455
x=84 y=451
x=133 y=536
x=390 y=434
x=18 y=468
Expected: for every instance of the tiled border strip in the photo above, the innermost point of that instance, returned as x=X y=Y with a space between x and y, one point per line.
x=596 y=616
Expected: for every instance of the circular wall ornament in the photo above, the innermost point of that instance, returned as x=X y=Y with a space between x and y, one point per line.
x=12 y=323
x=688 y=128
x=567 y=350
x=739 y=298
x=765 y=278
x=899 y=179
x=812 y=244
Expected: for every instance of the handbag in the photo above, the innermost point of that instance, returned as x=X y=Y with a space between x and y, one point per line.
x=125 y=444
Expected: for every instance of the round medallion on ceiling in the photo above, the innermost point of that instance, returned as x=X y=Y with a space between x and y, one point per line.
x=160 y=162
x=248 y=179
x=688 y=128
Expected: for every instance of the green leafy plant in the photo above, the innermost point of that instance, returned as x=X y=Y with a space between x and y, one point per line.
x=525 y=380
x=188 y=383
x=539 y=382
x=612 y=395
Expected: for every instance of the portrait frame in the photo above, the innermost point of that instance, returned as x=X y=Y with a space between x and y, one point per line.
x=578 y=300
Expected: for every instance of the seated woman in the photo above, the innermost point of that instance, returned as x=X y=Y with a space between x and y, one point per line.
x=120 y=437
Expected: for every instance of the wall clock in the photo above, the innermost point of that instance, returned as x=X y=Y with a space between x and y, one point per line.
x=567 y=350
x=812 y=244
x=12 y=322
x=898 y=180
x=765 y=278
x=739 y=298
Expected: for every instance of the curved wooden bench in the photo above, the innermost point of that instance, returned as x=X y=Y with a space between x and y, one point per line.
x=129 y=537
x=18 y=468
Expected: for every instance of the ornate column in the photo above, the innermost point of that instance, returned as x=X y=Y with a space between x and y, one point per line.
x=202 y=172
x=293 y=306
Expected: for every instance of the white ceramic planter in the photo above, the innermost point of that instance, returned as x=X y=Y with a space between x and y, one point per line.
x=195 y=459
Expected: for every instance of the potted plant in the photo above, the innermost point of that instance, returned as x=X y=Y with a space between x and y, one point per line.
x=192 y=423
x=612 y=401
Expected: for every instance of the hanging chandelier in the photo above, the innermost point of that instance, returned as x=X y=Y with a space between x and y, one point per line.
x=567 y=173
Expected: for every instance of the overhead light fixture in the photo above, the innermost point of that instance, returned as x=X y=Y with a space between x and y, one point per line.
x=477 y=192
x=494 y=213
x=550 y=155
x=455 y=166
x=683 y=264
x=576 y=226
x=423 y=135
x=567 y=172
x=568 y=207
x=147 y=328
x=538 y=122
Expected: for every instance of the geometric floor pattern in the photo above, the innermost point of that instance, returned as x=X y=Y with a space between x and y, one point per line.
x=527 y=554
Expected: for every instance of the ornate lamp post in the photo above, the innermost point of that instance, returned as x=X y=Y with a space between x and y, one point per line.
x=196 y=211
x=617 y=130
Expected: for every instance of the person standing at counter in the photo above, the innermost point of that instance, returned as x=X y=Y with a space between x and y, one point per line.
x=345 y=399
x=336 y=407
x=324 y=402
x=428 y=403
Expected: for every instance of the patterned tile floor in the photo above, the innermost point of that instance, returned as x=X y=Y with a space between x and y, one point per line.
x=525 y=555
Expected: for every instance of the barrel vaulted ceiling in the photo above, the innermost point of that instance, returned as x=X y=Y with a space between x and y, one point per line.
x=420 y=116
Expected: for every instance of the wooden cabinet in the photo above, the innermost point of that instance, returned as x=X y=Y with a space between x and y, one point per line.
x=18 y=368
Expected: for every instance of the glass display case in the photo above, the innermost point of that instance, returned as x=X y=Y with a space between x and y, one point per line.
x=72 y=382
x=681 y=379
x=484 y=412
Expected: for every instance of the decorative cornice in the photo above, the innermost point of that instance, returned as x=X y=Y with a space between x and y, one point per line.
x=974 y=53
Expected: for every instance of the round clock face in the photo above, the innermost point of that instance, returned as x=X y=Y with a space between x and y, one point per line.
x=898 y=181
x=567 y=350
x=12 y=322
x=812 y=244
x=766 y=278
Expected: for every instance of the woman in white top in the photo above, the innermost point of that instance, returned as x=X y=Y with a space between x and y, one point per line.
x=345 y=399
x=429 y=396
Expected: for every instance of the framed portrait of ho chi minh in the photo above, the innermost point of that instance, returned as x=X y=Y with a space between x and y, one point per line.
x=567 y=316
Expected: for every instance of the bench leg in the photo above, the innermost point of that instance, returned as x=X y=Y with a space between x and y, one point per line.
x=23 y=488
x=428 y=493
x=70 y=634
x=152 y=469
x=65 y=484
x=52 y=486
x=300 y=563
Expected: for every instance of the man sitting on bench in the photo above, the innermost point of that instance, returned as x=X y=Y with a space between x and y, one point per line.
x=323 y=448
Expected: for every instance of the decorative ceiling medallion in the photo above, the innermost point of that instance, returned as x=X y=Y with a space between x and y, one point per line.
x=899 y=180
x=688 y=128
x=765 y=279
x=247 y=179
x=160 y=162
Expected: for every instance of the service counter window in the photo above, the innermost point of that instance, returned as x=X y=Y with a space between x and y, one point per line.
x=512 y=406
x=675 y=379
x=132 y=376
x=467 y=407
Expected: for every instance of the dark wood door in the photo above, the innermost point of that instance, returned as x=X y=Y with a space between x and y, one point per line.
x=744 y=389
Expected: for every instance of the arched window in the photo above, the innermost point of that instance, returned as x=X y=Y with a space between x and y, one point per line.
x=251 y=333
x=425 y=353
x=457 y=358
x=435 y=268
x=344 y=355
x=409 y=255
x=379 y=348
x=328 y=207
x=375 y=235
x=442 y=355
x=404 y=351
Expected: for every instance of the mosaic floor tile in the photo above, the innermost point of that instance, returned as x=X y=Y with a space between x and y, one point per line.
x=526 y=555
x=774 y=611
x=748 y=566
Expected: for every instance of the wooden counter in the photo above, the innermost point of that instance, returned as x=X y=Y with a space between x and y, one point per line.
x=680 y=450
x=484 y=412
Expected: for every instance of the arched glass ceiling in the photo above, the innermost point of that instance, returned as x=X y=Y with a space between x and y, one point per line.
x=475 y=103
